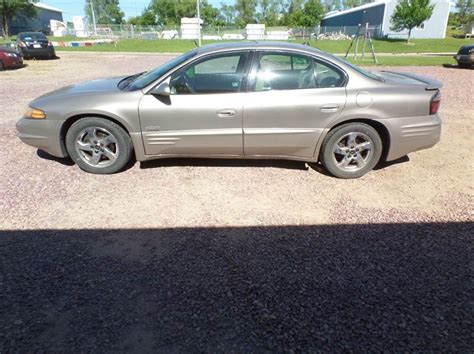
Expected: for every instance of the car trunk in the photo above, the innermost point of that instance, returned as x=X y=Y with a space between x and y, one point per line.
x=36 y=43
x=392 y=77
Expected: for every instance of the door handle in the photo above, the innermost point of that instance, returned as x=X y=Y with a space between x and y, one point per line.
x=329 y=108
x=226 y=113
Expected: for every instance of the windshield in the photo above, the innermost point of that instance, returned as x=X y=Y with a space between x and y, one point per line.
x=369 y=74
x=32 y=36
x=147 y=78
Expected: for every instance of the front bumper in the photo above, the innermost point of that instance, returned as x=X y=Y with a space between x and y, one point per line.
x=412 y=134
x=13 y=62
x=43 y=134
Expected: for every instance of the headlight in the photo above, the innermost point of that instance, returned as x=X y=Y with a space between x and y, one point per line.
x=11 y=54
x=34 y=113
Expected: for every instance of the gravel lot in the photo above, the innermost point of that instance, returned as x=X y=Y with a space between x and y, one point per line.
x=218 y=255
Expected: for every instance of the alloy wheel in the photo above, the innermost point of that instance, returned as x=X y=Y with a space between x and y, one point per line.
x=353 y=151
x=97 y=147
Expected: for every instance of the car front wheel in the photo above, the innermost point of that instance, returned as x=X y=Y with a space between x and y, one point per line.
x=351 y=150
x=98 y=145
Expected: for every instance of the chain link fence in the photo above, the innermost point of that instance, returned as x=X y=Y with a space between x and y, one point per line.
x=126 y=31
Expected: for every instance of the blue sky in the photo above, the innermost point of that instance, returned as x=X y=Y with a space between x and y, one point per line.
x=130 y=7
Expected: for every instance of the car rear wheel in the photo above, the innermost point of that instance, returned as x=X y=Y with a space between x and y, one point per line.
x=1 y=66
x=99 y=145
x=351 y=150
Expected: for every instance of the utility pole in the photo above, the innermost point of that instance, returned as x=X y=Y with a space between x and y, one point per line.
x=93 y=18
x=199 y=21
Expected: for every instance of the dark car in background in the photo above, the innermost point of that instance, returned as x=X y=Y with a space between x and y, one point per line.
x=465 y=56
x=10 y=59
x=35 y=45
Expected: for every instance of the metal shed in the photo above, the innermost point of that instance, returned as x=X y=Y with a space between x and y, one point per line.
x=40 y=23
x=378 y=14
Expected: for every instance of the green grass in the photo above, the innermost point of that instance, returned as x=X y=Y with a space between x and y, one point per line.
x=421 y=60
x=445 y=45
x=448 y=44
x=381 y=46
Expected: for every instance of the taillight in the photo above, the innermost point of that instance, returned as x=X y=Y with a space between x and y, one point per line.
x=22 y=44
x=435 y=102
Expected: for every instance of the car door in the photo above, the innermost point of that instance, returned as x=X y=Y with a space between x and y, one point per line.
x=292 y=98
x=203 y=114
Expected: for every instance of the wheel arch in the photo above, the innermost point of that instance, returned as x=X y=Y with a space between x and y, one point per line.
x=73 y=119
x=381 y=129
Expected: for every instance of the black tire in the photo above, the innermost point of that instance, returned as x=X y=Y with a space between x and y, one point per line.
x=121 y=147
x=1 y=66
x=345 y=158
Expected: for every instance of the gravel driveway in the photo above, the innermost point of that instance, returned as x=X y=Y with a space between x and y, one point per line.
x=220 y=255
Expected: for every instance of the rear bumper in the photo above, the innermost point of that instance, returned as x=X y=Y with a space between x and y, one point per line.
x=38 y=52
x=43 y=134
x=464 y=59
x=412 y=134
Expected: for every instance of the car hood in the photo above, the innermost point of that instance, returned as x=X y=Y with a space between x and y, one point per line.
x=8 y=50
x=392 y=77
x=100 y=85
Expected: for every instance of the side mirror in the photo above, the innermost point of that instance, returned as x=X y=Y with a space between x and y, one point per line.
x=162 y=89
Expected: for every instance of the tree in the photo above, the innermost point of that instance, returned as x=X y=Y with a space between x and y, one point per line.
x=211 y=15
x=349 y=4
x=10 y=9
x=313 y=13
x=229 y=12
x=106 y=11
x=270 y=11
x=308 y=16
x=247 y=10
x=170 y=12
x=465 y=13
x=147 y=18
x=409 y=14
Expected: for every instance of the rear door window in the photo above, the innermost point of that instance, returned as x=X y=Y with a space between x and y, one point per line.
x=292 y=71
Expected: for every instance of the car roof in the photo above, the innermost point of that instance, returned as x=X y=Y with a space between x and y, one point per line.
x=218 y=47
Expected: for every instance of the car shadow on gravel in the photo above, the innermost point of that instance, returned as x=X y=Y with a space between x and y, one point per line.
x=198 y=162
x=62 y=160
x=371 y=287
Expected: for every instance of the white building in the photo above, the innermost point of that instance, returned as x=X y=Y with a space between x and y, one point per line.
x=379 y=14
x=190 y=28
x=255 y=31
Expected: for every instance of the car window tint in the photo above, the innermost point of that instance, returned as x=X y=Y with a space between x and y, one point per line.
x=294 y=71
x=219 y=74
x=224 y=65
x=327 y=76
x=284 y=72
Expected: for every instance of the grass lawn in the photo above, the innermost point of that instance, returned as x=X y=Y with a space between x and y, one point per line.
x=381 y=46
x=446 y=45
x=421 y=60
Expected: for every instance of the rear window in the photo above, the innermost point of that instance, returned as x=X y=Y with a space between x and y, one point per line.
x=32 y=36
x=366 y=73
x=466 y=50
